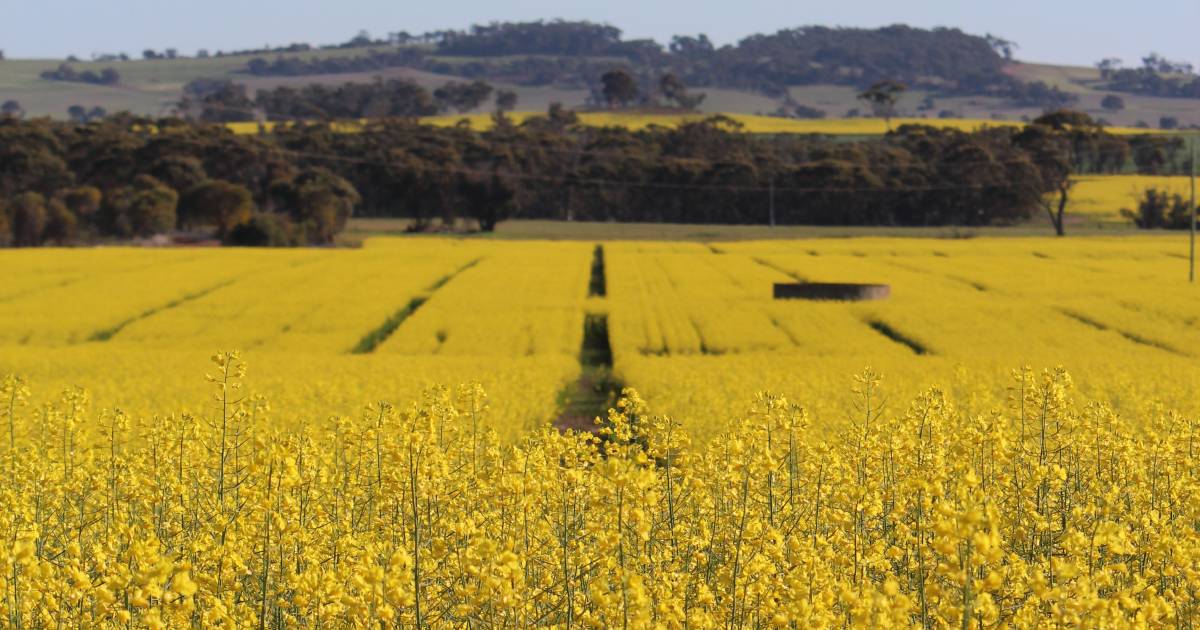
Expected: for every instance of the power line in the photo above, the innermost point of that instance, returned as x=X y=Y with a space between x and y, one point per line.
x=657 y=185
x=599 y=182
x=1192 y=215
x=575 y=152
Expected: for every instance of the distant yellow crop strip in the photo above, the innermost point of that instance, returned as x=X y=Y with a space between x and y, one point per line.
x=1104 y=196
x=750 y=123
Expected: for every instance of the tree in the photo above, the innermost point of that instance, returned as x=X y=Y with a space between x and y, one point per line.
x=84 y=202
x=31 y=166
x=12 y=109
x=62 y=225
x=217 y=101
x=1150 y=154
x=179 y=172
x=216 y=203
x=691 y=47
x=318 y=201
x=378 y=99
x=674 y=91
x=462 y=97
x=1112 y=153
x=1108 y=66
x=620 y=88
x=144 y=208
x=506 y=100
x=671 y=87
x=1050 y=151
x=362 y=38
x=1113 y=103
x=1003 y=46
x=1168 y=122
x=882 y=98
x=264 y=229
x=77 y=113
x=1160 y=209
x=27 y=218
x=324 y=202
x=153 y=210
x=490 y=198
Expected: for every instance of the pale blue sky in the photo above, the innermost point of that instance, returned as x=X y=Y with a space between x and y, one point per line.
x=1065 y=31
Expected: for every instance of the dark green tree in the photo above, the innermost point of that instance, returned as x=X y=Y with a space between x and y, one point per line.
x=62 y=226
x=619 y=88
x=674 y=91
x=12 y=109
x=490 y=198
x=1050 y=150
x=506 y=100
x=882 y=98
x=1160 y=209
x=461 y=97
x=153 y=210
x=83 y=201
x=27 y=219
x=215 y=203
x=319 y=202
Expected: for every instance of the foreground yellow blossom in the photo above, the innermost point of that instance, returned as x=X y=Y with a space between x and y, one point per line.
x=1046 y=511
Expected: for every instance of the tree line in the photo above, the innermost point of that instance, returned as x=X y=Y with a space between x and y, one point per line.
x=65 y=72
x=126 y=177
x=222 y=100
x=1156 y=76
x=300 y=66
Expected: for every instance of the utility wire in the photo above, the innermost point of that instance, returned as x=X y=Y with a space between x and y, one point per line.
x=600 y=182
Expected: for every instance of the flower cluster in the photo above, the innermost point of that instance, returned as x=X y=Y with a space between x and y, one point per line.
x=1043 y=513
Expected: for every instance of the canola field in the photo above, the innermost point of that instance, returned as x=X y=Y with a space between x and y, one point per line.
x=136 y=326
x=1102 y=197
x=692 y=323
x=380 y=453
x=751 y=123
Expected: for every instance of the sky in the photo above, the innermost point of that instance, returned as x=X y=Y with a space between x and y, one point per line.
x=1074 y=32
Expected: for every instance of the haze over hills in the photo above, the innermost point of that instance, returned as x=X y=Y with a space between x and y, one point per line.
x=801 y=72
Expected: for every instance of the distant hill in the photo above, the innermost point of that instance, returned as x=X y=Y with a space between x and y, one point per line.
x=799 y=72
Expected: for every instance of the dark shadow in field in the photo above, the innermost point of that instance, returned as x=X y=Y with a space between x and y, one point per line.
x=888 y=331
x=596 y=389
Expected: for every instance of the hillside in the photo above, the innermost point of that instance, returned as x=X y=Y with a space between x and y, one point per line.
x=808 y=71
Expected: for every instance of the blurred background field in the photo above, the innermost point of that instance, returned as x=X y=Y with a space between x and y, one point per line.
x=692 y=325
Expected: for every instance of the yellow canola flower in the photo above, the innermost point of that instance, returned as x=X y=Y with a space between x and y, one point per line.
x=919 y=517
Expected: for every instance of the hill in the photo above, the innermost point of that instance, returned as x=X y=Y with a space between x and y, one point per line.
x=802 y=72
